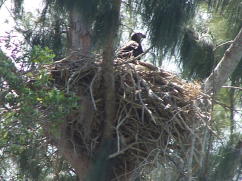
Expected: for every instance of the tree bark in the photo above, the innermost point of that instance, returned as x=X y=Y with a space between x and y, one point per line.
x=102 y=167
x=66 y=147
x=108 y=76
x=225 y=67
x=79 y=33
x=79 y=162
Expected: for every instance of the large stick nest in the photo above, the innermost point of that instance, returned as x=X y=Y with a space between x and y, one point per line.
x=156 y=111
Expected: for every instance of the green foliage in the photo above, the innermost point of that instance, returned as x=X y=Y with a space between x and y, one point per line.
x=9 y=72
x=218 y=27
x=221 y=112
x=55 y=101
x=25 y=106
x=221 y=118
x=45 y=31
x=41 y=55
x=226 y=161
x=231 y=10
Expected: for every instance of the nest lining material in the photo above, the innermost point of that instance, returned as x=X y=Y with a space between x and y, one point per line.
x=156 y=111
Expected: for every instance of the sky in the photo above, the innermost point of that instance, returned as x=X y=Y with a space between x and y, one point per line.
x=7 y=23
x=6 y=20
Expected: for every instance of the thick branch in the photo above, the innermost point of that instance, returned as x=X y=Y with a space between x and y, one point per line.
x=226 y=66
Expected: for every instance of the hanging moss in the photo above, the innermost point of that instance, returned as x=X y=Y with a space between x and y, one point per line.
x=197 y=57
x=226 y=160
x=166 y=20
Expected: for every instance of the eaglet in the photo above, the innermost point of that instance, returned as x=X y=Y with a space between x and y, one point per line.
x=133 y=48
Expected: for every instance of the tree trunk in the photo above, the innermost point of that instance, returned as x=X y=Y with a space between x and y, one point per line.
x=225 y=67
x=108 y=76
x=79 y=33
x=78 y=161
x=102 y=166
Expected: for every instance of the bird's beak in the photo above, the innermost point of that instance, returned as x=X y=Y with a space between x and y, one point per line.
x=143 y=36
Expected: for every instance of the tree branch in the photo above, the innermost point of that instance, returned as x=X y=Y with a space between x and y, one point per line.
x=233 y=87
x=225 y=67
x=223 y=44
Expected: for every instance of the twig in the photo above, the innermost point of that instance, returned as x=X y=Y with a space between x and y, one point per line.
x=144 y=106
x=122 y=151
x=150 y=92
x=225 y=43
x=190 y=160
x=91 y=86
x=189 y=129
x=69 y=81
x=117 y=129
x=233 y=87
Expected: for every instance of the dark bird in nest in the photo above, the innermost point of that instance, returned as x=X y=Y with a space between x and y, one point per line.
x=133 y=48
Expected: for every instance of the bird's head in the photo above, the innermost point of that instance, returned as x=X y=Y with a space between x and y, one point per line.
x=137 y=37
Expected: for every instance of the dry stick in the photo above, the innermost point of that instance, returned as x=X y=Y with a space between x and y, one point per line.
x=226 y=106
x=150 y=92
x=118 y=137
x=233 y=87
x=73 y=76
x=123 y=150
x=203 y=146
x=144 y=106
x=191 y=155
x=139 y=89
x=189 y=129
x=197 y=152
x=145 y=162
x=222 y=44
x=141 y=100
x=90 y=88
x=130 y=172
x=117 y=129
x=69 y=81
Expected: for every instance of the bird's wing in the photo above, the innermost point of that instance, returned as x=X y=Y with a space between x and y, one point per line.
x=131 y=45
x=128 y=50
